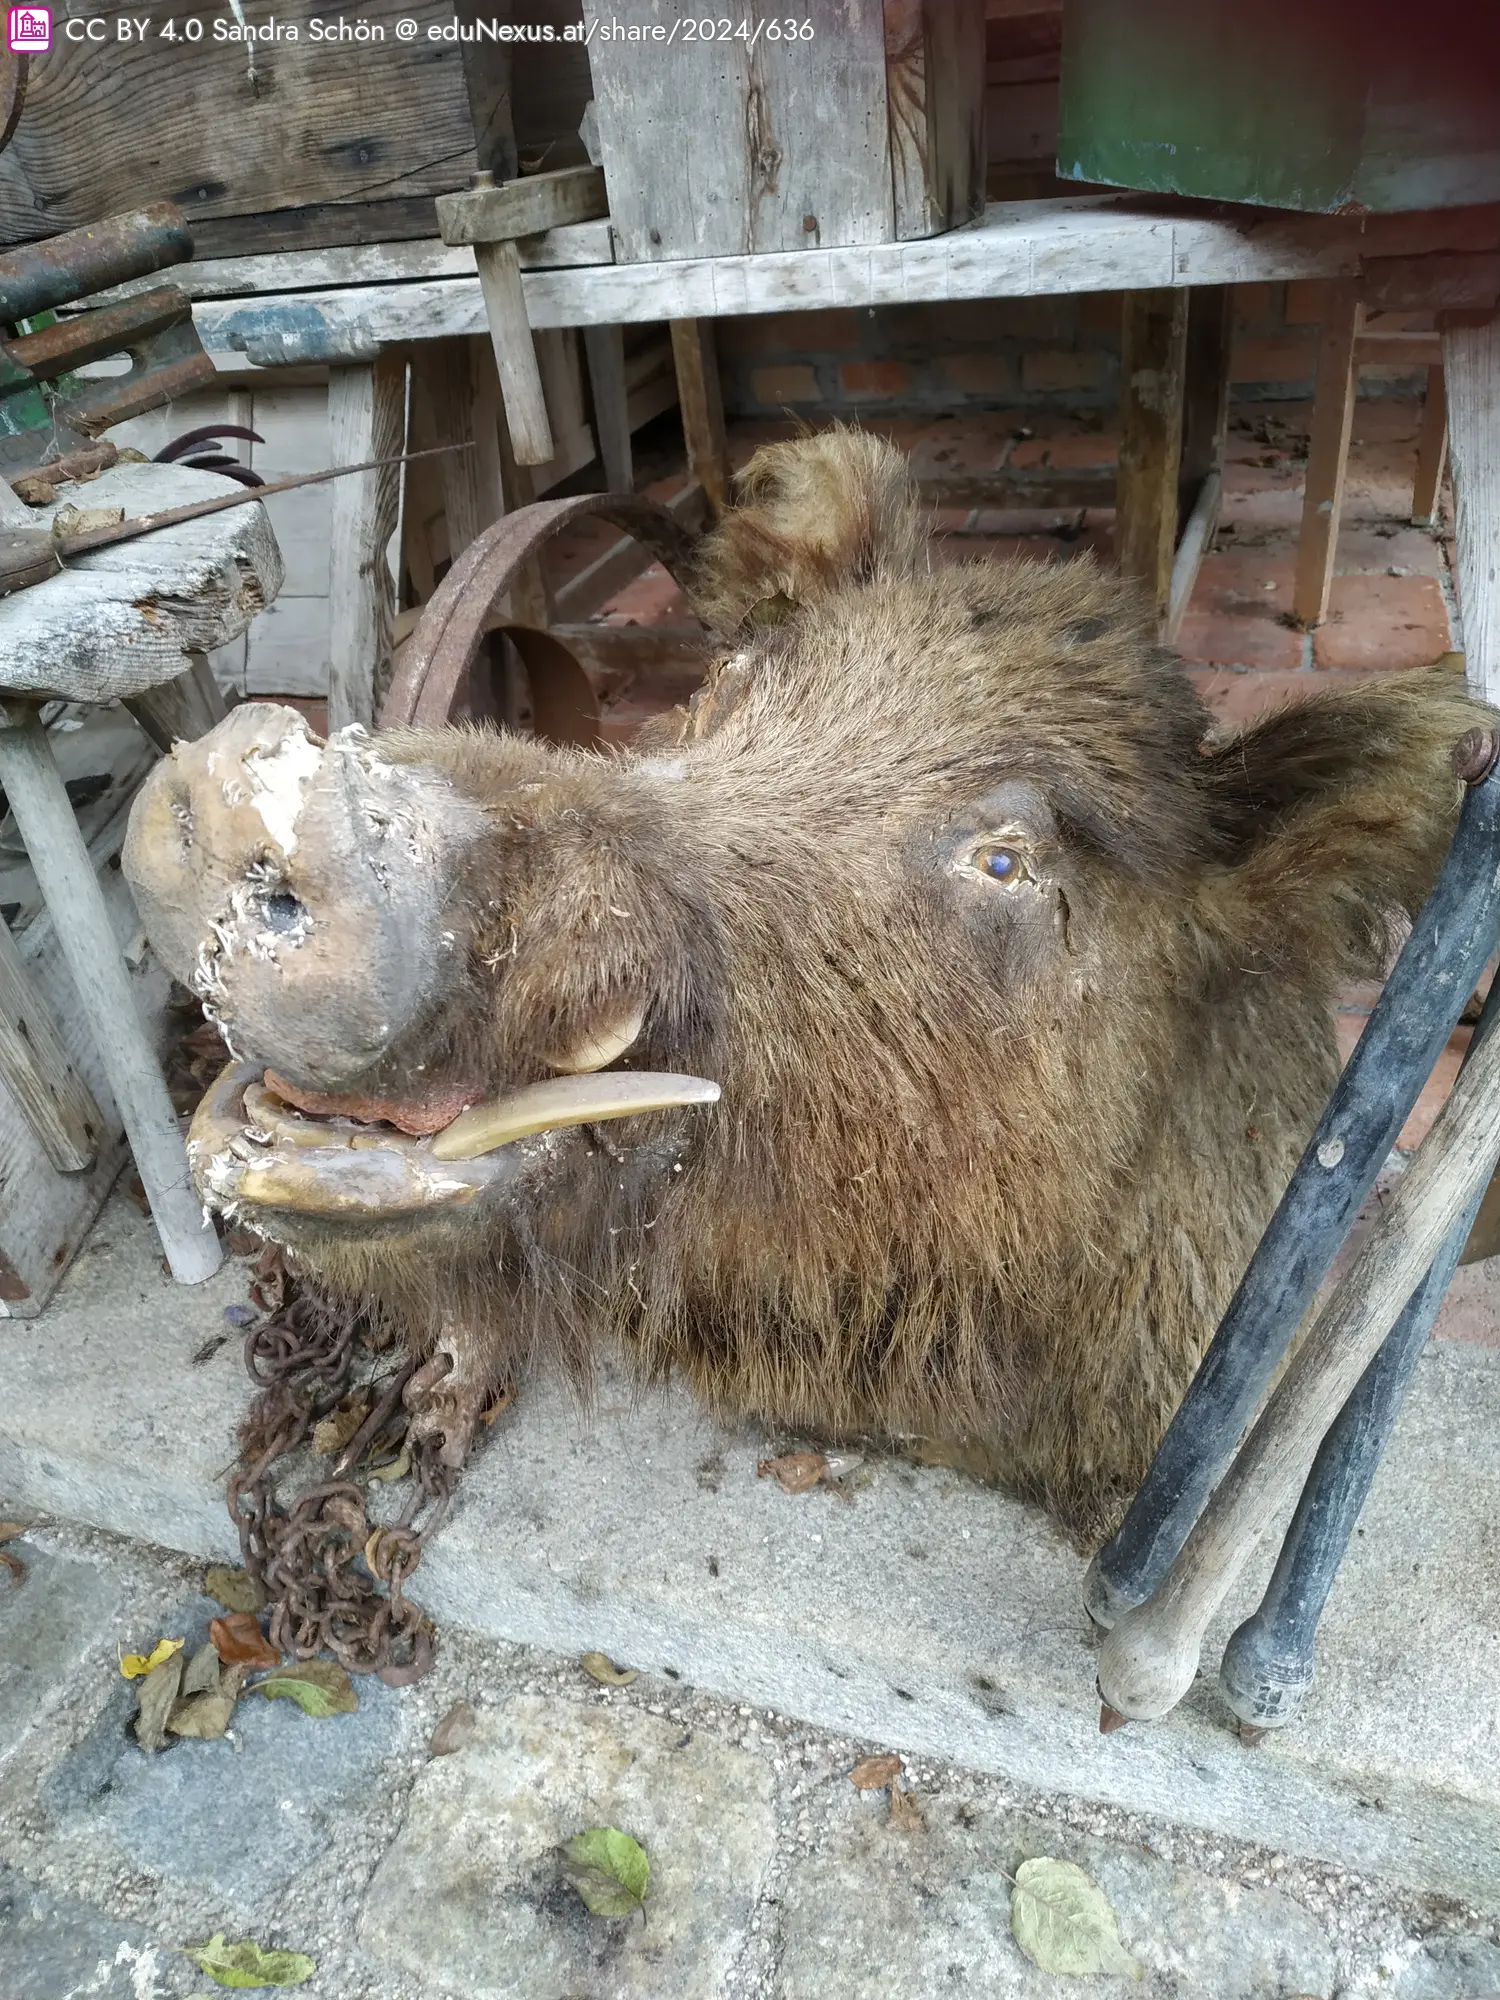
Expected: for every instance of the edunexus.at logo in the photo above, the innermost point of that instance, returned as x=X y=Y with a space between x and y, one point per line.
x=29 y=30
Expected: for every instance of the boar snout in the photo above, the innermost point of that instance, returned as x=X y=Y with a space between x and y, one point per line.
x=297 y=887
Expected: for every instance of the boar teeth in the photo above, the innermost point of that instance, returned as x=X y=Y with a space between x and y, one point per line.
x=566 y=1100
x=604 y=1046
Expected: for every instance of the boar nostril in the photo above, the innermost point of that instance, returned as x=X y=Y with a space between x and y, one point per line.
x=285 y=912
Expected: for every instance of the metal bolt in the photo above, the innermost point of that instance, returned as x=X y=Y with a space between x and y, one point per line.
x=1474 y=755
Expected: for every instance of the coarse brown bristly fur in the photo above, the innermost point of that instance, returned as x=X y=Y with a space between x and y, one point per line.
x=993 y=1148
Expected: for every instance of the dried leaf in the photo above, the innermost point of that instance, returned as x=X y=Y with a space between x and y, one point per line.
x=235 y=1589
x=239 y=1641
x=319 y=1687
x=600 y=1667
x=15 y=1565
x=1065 y=1923
x=871 y=1773
x=335 y=1430
x=133 y=1665
x=503 y=1400
x=202 y=1676
x=454 y=1731
x=205 y=1716
x=10 y=1529
x=906 y=1815
x=158 y=1697
x=608 y=1869
x=397 y=1469
x=245 y=1964
x=243 y=1243
x=795 y=1471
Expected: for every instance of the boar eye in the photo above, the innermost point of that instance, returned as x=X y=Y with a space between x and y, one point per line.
x=1002 y=864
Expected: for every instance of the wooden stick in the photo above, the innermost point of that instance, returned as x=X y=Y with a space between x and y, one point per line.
x=65 y=874
x=1150 y=1659
x=698 y=394
x=1432 y=451
x=1328 y=455
x=515 y=352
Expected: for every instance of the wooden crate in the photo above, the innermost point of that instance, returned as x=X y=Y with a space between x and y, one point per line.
x=872 y=131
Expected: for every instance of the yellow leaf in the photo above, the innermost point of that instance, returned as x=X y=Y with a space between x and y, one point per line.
x=133 y=1665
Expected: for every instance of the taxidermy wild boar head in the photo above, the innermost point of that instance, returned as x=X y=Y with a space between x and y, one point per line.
x=910 y=1038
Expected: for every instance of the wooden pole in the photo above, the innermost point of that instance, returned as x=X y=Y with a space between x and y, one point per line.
x=1327 y=455
x=1471 y=366
x=1152 y=358
x=1432 y=451
x=366 y=419
x=66 y=877
x=702 y=406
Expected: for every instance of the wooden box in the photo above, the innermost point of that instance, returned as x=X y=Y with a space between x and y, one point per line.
x=868 y=130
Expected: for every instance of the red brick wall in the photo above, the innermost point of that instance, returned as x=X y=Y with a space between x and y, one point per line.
x=1002 y=354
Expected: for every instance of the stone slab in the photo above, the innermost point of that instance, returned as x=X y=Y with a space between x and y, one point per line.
x=49 y=1625
x=58 y=1948
x=925 y=1612
x=470 y=1895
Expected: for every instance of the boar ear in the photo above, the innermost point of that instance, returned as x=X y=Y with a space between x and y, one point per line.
x=813 y=516
x=1334 y=815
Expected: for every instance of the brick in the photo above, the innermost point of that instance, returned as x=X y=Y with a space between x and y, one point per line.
x=792 y=333
x=1243 y=697
x=1050 y=369
x=793 y=382
x=1222 y=639
x=946 y=448
x=980 y=374
x=1265 y=358
x=1087 y=449
x=1306 y=301
x=874 y=378
x=1377 y=549
x=1029 y=451
x=1383 y=621
x=652 y=598
x=951 y=520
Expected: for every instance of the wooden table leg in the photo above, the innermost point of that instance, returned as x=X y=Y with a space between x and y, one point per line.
x=702 y=405
x=605 y=348
x=1328 y=454
x=180 y=711
x=366 y=419
x=65 y=875
x=1205 y=433
x=1471 y=362
x=1432 y=451
x=1152 y=361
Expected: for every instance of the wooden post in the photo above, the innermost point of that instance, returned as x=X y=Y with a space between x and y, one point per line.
x=1152 y=362
x=66 y=877
x=38 y=1071
x=698 y=393
x=515 y=352
x=1471 y=363
x=1328 y=453
x=1205 y=389
x=1432 y=451
x=366 y=419
x=605 y=348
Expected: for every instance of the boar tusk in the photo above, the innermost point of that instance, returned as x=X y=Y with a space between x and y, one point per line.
x=603 y=1046
x=566 y=1100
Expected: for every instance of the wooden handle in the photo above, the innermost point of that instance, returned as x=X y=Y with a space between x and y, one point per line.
x=515 y=352
x=1149 y=1660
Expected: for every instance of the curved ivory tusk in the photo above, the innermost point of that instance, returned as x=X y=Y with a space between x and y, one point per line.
x=566 y=1100
x=604 y=1046
x=1148 y=1661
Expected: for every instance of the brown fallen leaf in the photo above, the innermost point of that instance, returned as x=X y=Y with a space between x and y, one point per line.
x=14 y=1564
x=600 y=1667
x=906 y=1815
x=795 y=1471
x=503 y=1400
x=335 y=1430
x=158 y=1697
x=871 y=1774
x=204 y=1716
x=454 y=1731
x=243 y=1243
x=10 y=1529
x=396 y=1469
x=202 y=1673
x=235 y=1589
x=239 y=1641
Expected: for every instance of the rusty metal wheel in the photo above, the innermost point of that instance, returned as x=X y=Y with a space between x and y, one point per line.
x=433 y=684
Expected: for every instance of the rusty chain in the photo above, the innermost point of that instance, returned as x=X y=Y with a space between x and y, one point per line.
x=320 y=1560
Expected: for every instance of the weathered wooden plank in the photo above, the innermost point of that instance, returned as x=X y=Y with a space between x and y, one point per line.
x=1432 y=451
x=722 y=147
x=1195 y=542
x=1205 y=392
x=1152 y=353
x=702 y=405
x=1471 y=366
x=38 y=1071
x=1328 y=453
x=124 y=619
x=935 y=89
x=366 y=419
x=1022 y=249
x=322 y=123
x=523 y=207
x=1397 y=350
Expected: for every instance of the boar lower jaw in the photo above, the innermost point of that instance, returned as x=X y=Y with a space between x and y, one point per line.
x=250 y=1151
